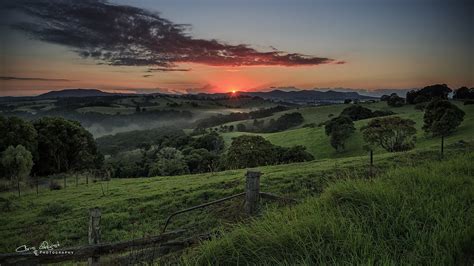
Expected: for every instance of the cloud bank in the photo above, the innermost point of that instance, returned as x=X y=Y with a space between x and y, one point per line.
x=35 y=79
x=129 y=36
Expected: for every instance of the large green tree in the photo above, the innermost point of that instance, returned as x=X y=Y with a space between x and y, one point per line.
x=64 y=145
x=391 y=133
x=212 y=142
x=441 y=119
x=16 y=131
x=17 y=162
x=250 y=151
x=170 y=162
x=339 y=130
x=201 y=160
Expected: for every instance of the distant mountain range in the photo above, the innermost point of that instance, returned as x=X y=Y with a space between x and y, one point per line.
x=76 y=93
x=306 y=96
x=295 y=96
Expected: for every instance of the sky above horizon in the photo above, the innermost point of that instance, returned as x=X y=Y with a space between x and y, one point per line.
x=179 y=46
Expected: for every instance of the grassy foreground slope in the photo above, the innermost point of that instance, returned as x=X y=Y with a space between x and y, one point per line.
x=410 y=216
x=317 y=143
x=132 y=208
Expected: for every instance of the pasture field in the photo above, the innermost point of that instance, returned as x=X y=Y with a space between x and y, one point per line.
x=317 y=143
x=136 y=207
x=408 y=216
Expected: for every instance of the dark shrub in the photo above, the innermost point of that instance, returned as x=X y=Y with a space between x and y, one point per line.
x=395 y=100
x=294 y=154
x=384 y=98
x=241 y=127
x=285 y=122
x=357 y=112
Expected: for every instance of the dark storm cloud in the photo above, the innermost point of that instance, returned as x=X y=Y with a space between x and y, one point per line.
x=163 y=69
x=125 y=35
x=35 y=79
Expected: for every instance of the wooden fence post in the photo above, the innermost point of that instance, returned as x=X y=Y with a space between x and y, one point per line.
x=252 y=192
x=442 y=146
x=94 y=232
x=37 y=181
x=371 y=167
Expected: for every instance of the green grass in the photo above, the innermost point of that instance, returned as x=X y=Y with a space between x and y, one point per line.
x=410 y=216
x=317 y=143
x=136 y=207
x=314 y=114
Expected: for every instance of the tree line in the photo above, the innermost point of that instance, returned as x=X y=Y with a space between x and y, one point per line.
x=232 y=117
x=176 y=153
x=49 y=145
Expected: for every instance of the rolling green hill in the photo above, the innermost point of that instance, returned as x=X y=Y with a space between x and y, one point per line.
x=138 y=207
x=408 y=216
x=317 y=143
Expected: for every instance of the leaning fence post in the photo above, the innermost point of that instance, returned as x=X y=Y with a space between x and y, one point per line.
x=94 y=232
x=252 y=191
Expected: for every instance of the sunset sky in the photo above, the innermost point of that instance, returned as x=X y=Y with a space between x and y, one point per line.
x=180 y=46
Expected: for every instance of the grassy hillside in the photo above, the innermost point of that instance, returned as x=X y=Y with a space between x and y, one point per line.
x=411 y=215
x=317 y=143
x=136 y=207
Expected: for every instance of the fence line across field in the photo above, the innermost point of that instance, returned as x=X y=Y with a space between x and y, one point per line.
x=165 y=241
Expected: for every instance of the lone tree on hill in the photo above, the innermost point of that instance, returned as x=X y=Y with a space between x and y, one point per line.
x=391 y=133
x=18 y=162
x=441 y=119
x=250 y=151
x=339 y=129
